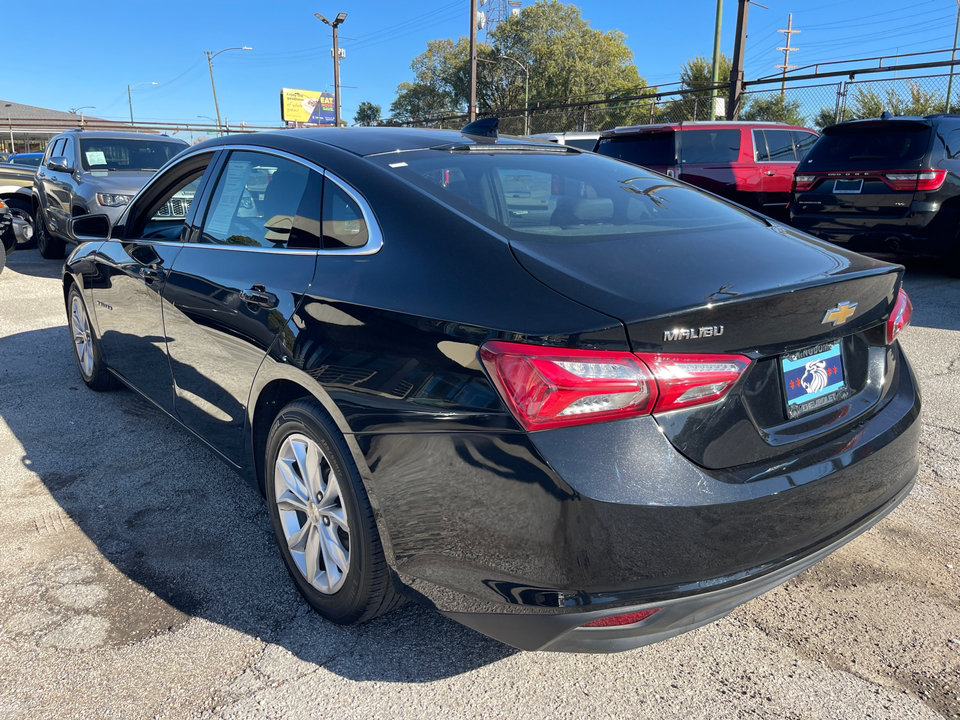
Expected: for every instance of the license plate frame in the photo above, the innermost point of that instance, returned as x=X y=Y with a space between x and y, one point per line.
x=848 y=187
x=813 y=378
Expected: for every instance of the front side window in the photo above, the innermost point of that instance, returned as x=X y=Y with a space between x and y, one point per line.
x=256 y=201
x=126 y=153
x=160 y=212
x=709 y=146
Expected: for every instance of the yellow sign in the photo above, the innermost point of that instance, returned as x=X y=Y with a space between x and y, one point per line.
x=306 y=106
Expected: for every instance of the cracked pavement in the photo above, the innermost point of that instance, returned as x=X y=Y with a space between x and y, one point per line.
x=139 y=579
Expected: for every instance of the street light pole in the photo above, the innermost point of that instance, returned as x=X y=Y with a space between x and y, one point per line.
x=79 y=109
x=337 y=22
x=130 y=97
x=210 y=56
x=526 y=93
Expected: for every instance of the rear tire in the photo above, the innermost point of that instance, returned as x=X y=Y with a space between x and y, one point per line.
x=87 y=346
x=323 y=519
x=50 y=247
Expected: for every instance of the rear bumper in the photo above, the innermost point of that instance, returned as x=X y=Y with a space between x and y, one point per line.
x=526 y=537
x=921 y=231
x=565 y=633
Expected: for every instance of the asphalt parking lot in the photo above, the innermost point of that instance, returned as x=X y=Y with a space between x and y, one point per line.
x=139 y=579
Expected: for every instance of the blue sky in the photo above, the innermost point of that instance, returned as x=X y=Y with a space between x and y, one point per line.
x=105 y=46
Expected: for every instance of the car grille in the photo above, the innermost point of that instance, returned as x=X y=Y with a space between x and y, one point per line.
x=174 y=208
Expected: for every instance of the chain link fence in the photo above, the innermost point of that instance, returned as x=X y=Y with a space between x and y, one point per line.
x=814 y=106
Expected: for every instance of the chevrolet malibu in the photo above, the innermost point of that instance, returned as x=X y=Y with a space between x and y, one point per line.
x=565 y=401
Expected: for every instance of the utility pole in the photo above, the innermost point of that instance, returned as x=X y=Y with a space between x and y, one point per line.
x=715 y=75
x=472 y=112
x=736 y=72
x=786 y=54
x=956 y=36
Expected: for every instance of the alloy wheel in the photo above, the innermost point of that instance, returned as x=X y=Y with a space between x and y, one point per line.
x=82 y=338
x=312 y=515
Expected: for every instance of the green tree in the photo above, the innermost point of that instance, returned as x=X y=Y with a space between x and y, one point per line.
x=367 y=114
x=567 y=63
x=773 y=108
x=828 y=116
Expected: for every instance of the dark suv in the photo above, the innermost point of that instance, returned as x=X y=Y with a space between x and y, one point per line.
x=92 y=172
x=751 y=163
x=888 y=185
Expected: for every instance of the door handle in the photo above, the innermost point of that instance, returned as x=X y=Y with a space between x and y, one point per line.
x=769 y=173
x=258 y=295
x=151 y=273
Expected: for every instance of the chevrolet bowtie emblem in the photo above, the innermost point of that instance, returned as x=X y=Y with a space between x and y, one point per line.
x=840 y=314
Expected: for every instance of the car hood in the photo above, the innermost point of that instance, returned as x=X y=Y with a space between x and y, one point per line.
x=764 y=285
x=123 y=182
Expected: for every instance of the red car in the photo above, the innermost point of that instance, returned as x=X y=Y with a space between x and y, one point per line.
x=751 y=163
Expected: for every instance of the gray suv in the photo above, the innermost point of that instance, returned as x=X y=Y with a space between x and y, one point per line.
x=93 y=172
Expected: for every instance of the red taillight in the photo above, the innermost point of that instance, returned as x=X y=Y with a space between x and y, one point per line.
x=900 y=317
x=922 y=181
x=688 y=380
x=549 y=388
x=802 y=183
x=618 y=620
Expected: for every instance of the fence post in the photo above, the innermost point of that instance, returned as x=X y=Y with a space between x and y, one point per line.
x=841 y=102
x=653 y=108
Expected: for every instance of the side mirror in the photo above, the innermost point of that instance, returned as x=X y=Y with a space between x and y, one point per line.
x=59 y=164
x=87 y=228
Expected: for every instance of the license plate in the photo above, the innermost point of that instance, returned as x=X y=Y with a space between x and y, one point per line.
x=813 y=378
x=847 y=187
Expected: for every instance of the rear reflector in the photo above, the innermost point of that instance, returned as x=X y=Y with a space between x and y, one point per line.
x=550 y=388
x=900 y=317
x=618 y=620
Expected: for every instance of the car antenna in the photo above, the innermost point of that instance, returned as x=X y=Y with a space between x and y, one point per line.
x=483 y=130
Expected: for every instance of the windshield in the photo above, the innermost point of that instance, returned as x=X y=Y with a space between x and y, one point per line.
x=126 y=153
x=883 y=146
x=557 y=196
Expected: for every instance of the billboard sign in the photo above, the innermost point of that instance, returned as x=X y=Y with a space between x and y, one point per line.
x=306 y=107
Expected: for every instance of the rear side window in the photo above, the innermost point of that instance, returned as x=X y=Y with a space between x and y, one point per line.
x=709 y=146
x=887 y=146
x=786 y=146
x=655 y=148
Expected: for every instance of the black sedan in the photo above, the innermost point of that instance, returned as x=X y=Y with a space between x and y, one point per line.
x=565 y=401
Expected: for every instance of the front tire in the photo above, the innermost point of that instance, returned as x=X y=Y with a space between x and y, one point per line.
x=87 y=346
x=50 y=247
x=323 y=519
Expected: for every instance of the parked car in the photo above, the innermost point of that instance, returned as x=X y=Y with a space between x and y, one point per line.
x=582 y=140
x=751 y=163
x=32 y=159
x=8 y=240
x=92 y=172
x=890 y=184
x=16 y=190
x=585 y=430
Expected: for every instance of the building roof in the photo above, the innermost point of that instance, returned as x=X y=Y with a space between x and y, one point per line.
x=31 y=119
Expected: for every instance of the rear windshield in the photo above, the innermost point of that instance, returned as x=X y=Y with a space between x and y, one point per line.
x=126 y=153
x=26 y=160
x=887 y=146
x=641 y=149
x=561 y=195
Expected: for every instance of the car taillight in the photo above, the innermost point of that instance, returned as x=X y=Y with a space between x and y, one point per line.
x=688 y=380
x=900 y=317
x=922 y=181
x=802 y=183
x=550 y=388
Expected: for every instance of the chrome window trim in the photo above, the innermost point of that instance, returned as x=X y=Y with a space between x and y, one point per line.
x=375 y=236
